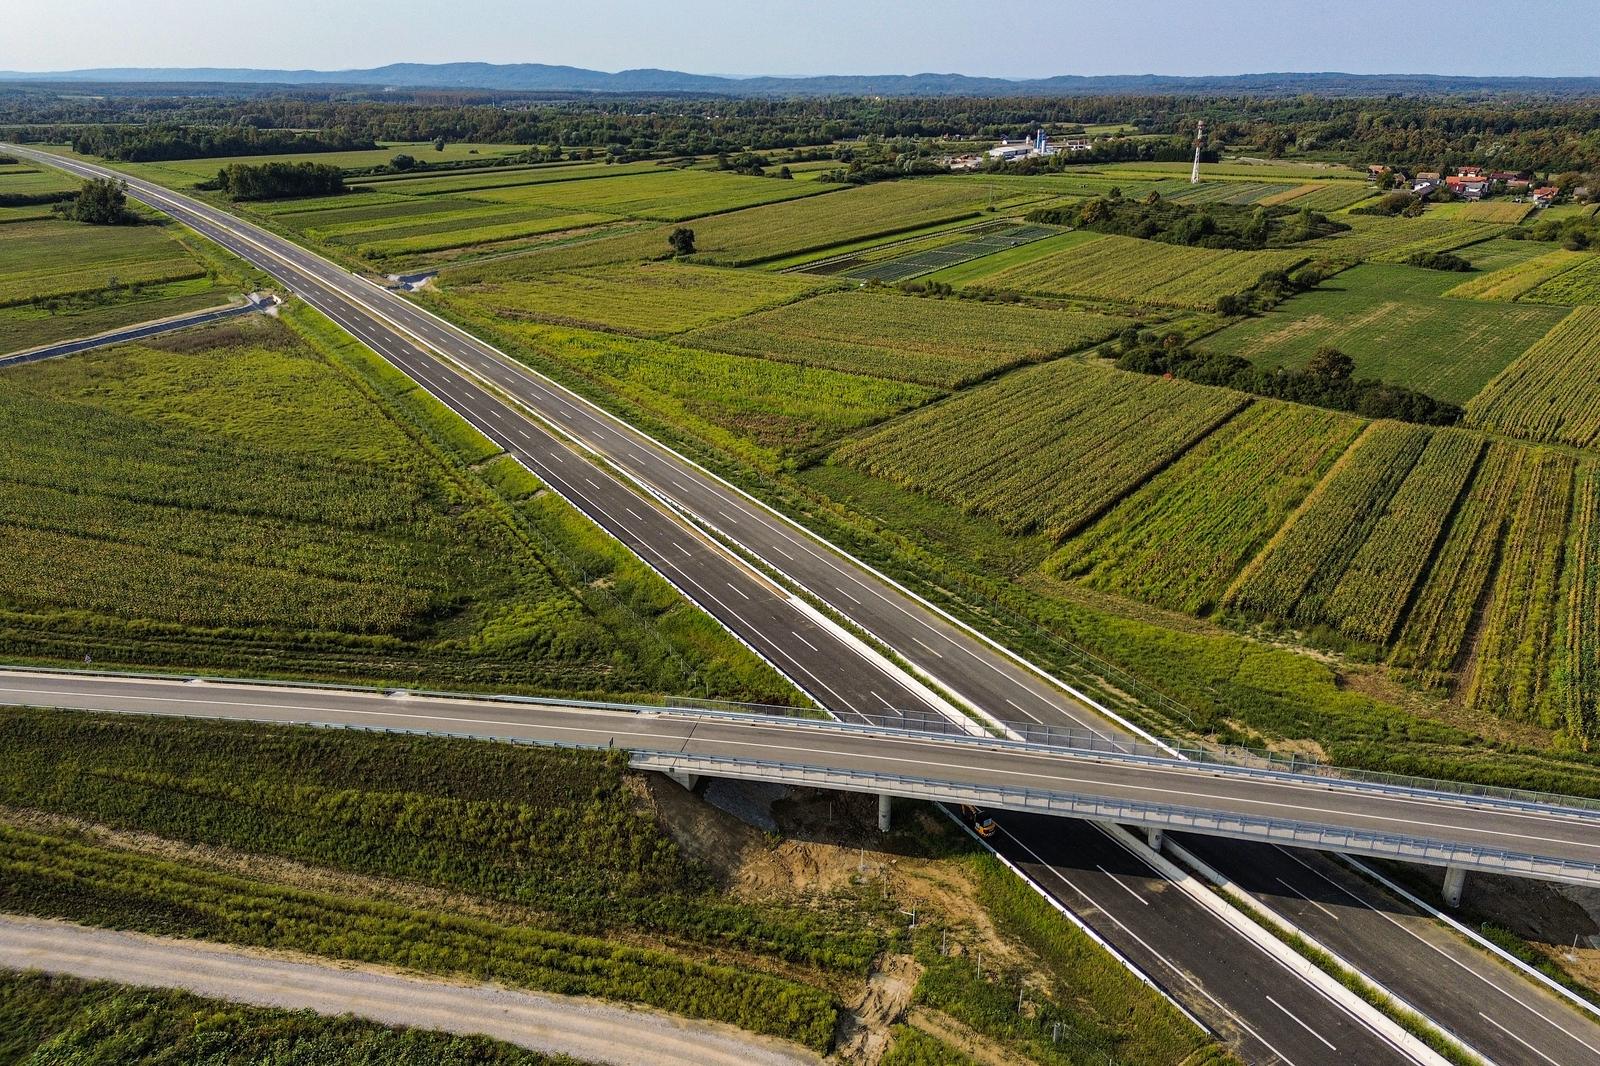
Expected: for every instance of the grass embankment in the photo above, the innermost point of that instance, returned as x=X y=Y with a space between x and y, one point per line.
x=280 y=501
x=61 y=1019
x=531 y=857
x=1088 y=1008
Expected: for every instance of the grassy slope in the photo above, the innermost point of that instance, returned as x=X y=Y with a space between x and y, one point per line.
x=55 y=1019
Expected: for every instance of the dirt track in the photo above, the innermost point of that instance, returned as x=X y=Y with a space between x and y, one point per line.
x=584 y=1029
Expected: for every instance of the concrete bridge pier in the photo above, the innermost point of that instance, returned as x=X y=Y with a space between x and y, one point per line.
x=688 y=781
x=1155 y=837
x=884 y=803
x=1455 y=879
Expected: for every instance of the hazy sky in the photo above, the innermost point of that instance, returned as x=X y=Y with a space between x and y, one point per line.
x=1018 y=38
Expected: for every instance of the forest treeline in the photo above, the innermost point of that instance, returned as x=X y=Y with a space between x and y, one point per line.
x=1506 y=132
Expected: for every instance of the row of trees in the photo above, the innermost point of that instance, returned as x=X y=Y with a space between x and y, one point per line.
x=1548 y=136
x=139 y=144
x=1205 y=226
x=273 y=181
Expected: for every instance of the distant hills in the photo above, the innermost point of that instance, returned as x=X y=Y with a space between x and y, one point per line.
x=544 y=78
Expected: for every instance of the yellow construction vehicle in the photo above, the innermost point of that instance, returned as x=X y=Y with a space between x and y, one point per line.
x=982 y=824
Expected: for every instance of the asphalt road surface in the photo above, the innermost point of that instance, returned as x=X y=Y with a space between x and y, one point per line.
x=586 y=1029
x=441 y=357
x=1459 y=986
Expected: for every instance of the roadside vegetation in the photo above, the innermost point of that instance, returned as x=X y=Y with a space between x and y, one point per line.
x=59 y=1019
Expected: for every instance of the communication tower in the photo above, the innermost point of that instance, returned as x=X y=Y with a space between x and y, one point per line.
x=1199 y=141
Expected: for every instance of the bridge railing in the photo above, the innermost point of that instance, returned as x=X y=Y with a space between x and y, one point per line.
x=1166 y=816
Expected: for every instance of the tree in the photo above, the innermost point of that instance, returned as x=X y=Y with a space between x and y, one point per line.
x=100 y=202
x=402 y=162
x=682 y=241
x=1331 y=364
x=438 y=144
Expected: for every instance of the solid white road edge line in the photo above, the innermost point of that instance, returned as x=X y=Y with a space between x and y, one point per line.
x=1066 y=913
x=1380 y=1023
x=1471 y=934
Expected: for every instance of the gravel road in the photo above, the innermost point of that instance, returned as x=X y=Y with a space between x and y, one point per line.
x=585 y=1029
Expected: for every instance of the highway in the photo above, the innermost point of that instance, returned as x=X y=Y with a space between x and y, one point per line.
x=957 y=767
x=549 y=429
x=1459 y=986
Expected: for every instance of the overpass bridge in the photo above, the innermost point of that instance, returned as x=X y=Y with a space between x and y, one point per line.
x=1233 y=793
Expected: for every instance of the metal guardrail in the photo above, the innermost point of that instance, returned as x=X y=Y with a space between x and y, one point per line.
x=1024 y=736
x=1275 y=830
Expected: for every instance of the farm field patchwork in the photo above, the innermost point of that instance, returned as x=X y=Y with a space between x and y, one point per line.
x=1045 y=448
x=982 y=241
x=24 y=184
x=946 y=343
x=1178 y=540
x=1129 y=270
x=423 y=183
x=1502 y=211
x=30 y=325
x=1274 y=170
x=1578 y=284
x=1321 y=195
x=232 y=458
x=1515 y=279
x=1392 y=322
x=1391 y=240
x=760 y=234
x=1552 y=393
x=651 y=299
x=664 y=195
x=1229 y=192
x=755 y=408
x=1577 y=674
x=183 y=173
x=52 y=258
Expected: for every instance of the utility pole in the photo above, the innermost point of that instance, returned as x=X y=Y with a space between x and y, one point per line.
x=1199 y=140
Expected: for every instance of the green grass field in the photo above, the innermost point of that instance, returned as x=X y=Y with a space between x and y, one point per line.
x=757 y=409
x=52 y=258
x=1515 y=279
x=263 y=504
x=27 y=182
x=1392 y=321
x=180 y=173
x=947 y=343
x=649 y=299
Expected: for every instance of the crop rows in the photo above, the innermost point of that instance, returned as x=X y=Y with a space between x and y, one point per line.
x=1494 y=211
x=946 y=343
x=1303 y=561
x=1371 y=594
x=1435 y=632
x=1579 y=284
x=1181 y=538
x=1510 y=675
x=759 y=234
x=1552 y=393
x=927 y=260
x=1230 y=192
x=1321 y=195
x=1143 y=272
x=1048 y=448
x=499 y=178
x=665 y=195
x=53 y=258
x=530 y=225
x=651 y=299
x=1513 y=282
x=1578 y=675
